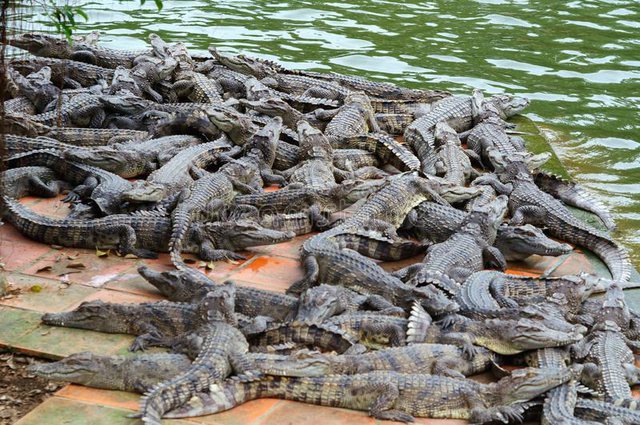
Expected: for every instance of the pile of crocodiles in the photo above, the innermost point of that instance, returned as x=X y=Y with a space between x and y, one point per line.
x=159 y=150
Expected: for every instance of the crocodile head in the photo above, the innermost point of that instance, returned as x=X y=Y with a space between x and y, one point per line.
x=453 y=193
x=313 y=143
x=444 y=133
x=358 y=97
x=518 y=242
x=527 y=383
x=271 y=106
x=300 y=364
x=81 y=368
x=145 y=192
x=265 y=140
x=176 y=285
x=127 y=104
x=94 y=315
x=243 y=64
x=237 y=126
x=125 y=163
x=526 y=334
x=614 y=306
x=318 y=304
x=219 y=304
x=508 y=105
x=241 y=234
x=42 y=45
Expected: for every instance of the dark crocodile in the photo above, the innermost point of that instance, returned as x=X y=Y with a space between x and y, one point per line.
x=34 y=181
x=288 y=337
x=133 y=159
x=459 y=112
x=452 y=163
x=64 y=72
x=55 y=47
x=572 y=194
x=392 y=395
x=466 y=251
x=192 y=285
x=437 y=222
x=324 y=261
x=175 y=175
x=355 y=117
x=38 y=88
x=101 y=188
x=528 y=204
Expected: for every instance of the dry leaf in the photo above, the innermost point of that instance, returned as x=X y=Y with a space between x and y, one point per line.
x=189 y=260
x=44 y=269
x=45 y=333
x=76 y=265
x=130 y=256
x=229 y=260
x=210 y=265
x=56 y=246
x=100 y=253
x=36 y=288
x=73 y=256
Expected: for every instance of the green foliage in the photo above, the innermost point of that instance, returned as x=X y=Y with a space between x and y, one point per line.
x=64 y=17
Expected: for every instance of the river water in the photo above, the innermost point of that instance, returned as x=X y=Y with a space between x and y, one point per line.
x=579 y=61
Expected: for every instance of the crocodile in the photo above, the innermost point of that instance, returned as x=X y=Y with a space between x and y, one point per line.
x=55 y=47
x=572 y=194
x=276 y=107
x=608 y=362
x=386 y=149
x=223 y=350
x=142 y=235
x=306 y=86
x=123 y=373
x=160 y=323
x=459 y=112
x=256 y=90
x=391 y=395
x=135 y=158
x=192 y=285
x=315 y=169
x=436 y=223
x=437 y=359
x=38 y=88
x=91 y=137
x=101 y=188
x=449 y=263
x=325 y=262
x=200 y=88
x=528 y=204
x=602 y=412
x=324 y=301
x=300 y=223
x=64 y=72
x=452 y=163
x=213 y=191
x=355 y=117
x=297 y=200
x=84 y=110
x=34 y=181
x=175 y=175
x=284 y=337
x=502 y=336
x=19 y=106
x=373 y=330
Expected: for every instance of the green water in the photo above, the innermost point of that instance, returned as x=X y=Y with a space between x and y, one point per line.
x=578 y=61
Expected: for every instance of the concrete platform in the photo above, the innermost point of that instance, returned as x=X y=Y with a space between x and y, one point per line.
x=50 y=279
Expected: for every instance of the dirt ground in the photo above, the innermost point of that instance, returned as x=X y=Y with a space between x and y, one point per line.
x=19 y=391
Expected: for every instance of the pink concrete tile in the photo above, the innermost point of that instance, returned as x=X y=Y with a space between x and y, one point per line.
x=80 y=266
x=111 y=296
x=268 y=272
x=290 y=249
x=50 y=207
x=119 y=399
x=290 y=412
x=16 y=250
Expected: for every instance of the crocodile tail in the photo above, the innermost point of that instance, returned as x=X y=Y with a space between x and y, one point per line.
x=438 y=279
x=419 y=323
x=572 y=194
x=233 y=392
x=181 y=220
x=389 y=150
x=613 y=255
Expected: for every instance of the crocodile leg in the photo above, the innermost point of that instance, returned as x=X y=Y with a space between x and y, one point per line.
x=494 y=258
x=126 y=240
x=312 y=268
x=394 y=333
x=381 y=408
x=531 y=213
